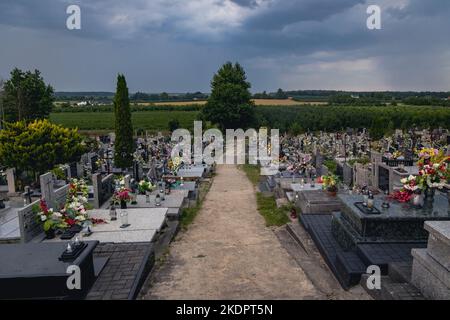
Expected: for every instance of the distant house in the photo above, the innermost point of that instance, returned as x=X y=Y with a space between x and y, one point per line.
x=82 y=104
x=355 y=96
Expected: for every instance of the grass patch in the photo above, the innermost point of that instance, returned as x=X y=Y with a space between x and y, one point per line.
x=267 y=206
x=252 y=171
x=188 y=215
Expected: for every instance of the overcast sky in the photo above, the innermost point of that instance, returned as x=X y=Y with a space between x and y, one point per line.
x=177 y=45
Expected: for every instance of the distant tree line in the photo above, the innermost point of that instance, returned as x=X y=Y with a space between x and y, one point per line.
x=164 y=96
x=379 y=120
x=134 y=108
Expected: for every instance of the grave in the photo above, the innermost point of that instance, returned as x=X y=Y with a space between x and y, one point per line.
x=431 y=266
x=398 y=223
x=317 y=202
x=174 y=203
x=351 y=240
x=103 y=188
x=34 y=271
x=144 y=226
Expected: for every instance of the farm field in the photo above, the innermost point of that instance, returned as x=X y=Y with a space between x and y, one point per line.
x=104 y=121
x=258 y=102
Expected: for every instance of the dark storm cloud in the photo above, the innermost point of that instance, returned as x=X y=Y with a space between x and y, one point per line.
x=176 y=45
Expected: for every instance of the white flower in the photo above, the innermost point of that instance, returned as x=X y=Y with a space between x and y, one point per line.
x=57 y=215
x=80 y=218
x=43 y=217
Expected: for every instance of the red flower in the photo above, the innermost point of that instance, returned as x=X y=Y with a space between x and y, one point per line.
x=43 y=206
x=70 y=221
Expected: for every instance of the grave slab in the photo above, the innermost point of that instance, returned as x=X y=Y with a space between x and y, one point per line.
x=398 y=223
x=33 y=270
x=144 y=226
x=317 y=202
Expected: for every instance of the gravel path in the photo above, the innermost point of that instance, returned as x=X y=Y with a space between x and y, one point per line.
x=228 y=253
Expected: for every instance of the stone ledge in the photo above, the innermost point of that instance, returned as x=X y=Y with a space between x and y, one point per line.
x=439 y=251
x=439 y=229
x=432 y=279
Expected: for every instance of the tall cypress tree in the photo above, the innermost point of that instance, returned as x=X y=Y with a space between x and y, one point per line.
x=124 y=144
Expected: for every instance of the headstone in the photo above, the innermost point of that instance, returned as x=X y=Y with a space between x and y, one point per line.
x=10 y=177
x=73 y=170
x=347 y=173
x=28 y=225
x=103 y=188
x=46 y=181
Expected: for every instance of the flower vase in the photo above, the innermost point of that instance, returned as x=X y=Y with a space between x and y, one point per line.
x=429 y=194
x=417 y=199
x=123 y=204
x=50 y=234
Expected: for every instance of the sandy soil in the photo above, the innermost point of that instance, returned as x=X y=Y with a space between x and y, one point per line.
x=228 y=253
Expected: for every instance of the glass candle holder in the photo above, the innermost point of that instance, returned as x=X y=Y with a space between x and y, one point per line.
x=124 y=217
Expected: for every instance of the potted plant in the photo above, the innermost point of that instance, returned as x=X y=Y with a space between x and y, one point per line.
x=329 y=183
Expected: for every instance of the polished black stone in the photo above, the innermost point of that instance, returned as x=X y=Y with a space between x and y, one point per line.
x=33 y=270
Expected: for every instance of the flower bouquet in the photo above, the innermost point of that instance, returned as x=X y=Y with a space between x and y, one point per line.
x=145 y=186
x=122 y=196
x=175 y=164
x=329 y=183
x=51 y=220
x=434 y=170
x=74 y=212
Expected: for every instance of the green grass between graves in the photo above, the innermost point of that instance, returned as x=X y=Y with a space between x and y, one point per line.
x=267 y=205
x=188 y=215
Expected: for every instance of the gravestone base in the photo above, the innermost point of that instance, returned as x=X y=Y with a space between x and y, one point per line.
x=431 y=278
x=431 y=272
x=318 y=202
x=33 y=271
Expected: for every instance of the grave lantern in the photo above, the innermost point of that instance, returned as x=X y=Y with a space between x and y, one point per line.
x=158 y=200
x=124 y=218
x=112 y=212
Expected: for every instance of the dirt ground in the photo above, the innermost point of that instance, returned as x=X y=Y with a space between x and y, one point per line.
x=229 y=253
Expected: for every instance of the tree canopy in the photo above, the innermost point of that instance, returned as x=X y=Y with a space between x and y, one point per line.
x=38 y=146
x=229 y=106
x=26 y=96
x=124 y=144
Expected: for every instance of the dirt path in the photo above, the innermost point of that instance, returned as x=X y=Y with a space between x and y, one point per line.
x=228 y=253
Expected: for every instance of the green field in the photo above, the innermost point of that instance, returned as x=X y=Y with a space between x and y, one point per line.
x=104 y=121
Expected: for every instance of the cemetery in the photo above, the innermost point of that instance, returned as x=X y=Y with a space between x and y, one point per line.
x=110 y=222
x=363 y=203
x=319 y=212
x=369 y=203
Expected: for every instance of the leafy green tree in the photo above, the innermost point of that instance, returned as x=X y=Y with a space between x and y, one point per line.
x=281 y=94
x=124 y=144
x=38 y=146
x=26 y=96
x=229 y=105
